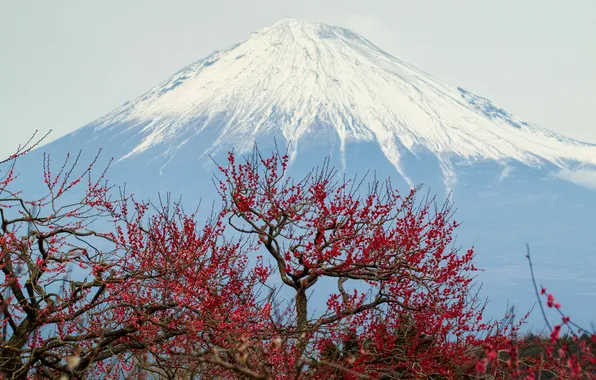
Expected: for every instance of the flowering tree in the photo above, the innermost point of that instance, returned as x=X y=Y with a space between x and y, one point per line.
x=402 y=290
x=95 y=285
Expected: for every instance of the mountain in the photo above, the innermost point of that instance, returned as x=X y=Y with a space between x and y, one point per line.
x=325 y=91
x=299 y=80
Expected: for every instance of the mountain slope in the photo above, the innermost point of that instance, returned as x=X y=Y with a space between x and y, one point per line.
x=295 y=79
x=328 y=92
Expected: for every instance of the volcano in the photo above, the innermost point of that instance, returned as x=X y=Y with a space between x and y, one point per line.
x=324 y=91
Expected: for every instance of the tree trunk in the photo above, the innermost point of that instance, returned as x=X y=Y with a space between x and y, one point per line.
x=301 y=319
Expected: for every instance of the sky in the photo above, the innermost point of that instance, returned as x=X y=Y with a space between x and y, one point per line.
x=65 y=63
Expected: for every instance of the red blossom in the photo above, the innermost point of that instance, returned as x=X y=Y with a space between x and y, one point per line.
x=116 y=287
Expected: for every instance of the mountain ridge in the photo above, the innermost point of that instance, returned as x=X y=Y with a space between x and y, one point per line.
x=295 y=78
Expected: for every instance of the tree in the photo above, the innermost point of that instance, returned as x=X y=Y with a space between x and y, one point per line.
x=93 y=284
x=110 y=287
x=396 y=272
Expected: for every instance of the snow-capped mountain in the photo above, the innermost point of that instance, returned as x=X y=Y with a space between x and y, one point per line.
x=325 y=91
x=295 y=78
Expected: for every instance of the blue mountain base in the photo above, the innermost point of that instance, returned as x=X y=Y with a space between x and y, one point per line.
x=502 y=206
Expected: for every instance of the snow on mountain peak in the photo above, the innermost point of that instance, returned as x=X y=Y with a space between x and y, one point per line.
x=296 y=78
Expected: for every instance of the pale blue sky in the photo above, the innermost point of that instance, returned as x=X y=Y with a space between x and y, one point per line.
x=65 y=63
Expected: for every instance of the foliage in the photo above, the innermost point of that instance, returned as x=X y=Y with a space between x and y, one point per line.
x=318 y=277
x=79 y=300
x=390 y=257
